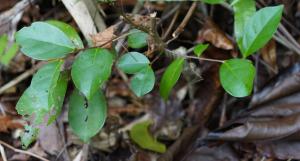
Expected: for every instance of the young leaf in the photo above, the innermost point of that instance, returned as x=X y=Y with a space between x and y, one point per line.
x=132 y=62
x=69 y=31
x=35 y=101
x=90 y=69
x=143 y=81
x=170 y=77
x=213 y=1
x=3 y=43
x=9 y=54
x=137 y=39
x=141 y=136
x=30 y=134
x=259 y=29
x=200 y=48
x=237 y=76
x=87 y=118
x=243 y=11
x=43 y=41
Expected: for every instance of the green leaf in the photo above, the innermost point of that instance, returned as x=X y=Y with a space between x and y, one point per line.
x=143 y=81
x=87 y=118
x=35 y=101
x=137 y=39
x=259 y=29
x=9 y=54
x=213 y=1
x=132 y=62
x=200 y=48
x=30 y=134
x=3 y=43
x=43 y=41
x=69 y=31
x=90 y=69
x=141 y=136
x=56 y=98
x=170 y=77
x=237 y=76
x=243 y=11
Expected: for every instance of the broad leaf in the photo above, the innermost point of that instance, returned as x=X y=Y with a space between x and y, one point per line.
x=237 y=76
x=9 y=54
x=44 y=97
x=243 y=11
x=69 y=31
x=90 y=69
x=259 y=29
x=36 y=99
x=3 y=43
x=43 y=41
x=170 y=77
x=143 y=81
x=132 y=62
x=87 y=118
x=200 y=48
x=213 y=1
x=140 y=135
x=137 y=39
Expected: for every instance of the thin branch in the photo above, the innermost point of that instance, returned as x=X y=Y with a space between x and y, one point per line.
x=22 y=151
x=171 y=24
x=193 y=57
x=2 y=152
x=185 y=20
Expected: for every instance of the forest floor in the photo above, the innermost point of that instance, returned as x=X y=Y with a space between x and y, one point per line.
x=200 y=121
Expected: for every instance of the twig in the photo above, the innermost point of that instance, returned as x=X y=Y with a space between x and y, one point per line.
x=171 y=24
x=185 y=20
x=194 y=57
x=2 y=152
x=20 y=78
x=22 y=151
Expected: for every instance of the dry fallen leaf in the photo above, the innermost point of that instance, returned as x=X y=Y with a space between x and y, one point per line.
x=9 y=123
x=213 y=34
x=104 y=38
x=268 y=53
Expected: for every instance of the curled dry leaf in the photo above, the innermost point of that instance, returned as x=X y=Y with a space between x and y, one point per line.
x=268 y=53
x=288 y=82
x=213 y=34
x=104 y=38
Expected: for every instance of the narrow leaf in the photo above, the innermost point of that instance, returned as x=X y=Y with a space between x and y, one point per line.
x=87 y=118
x=43 y=41
x=243 y=11
x=132 y=62
x=200 y=48
x=141 y=136
x=143 y=81
x=69 y=31
x=91 y=69
x=170 y=77
x=259 y=29
x=137 y=39
x=237 y=76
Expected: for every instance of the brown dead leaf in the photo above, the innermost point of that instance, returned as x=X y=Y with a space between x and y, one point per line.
x=268 y=53
x=213 y=34
x=104 y=38
x=9 y=123
x=287 y=83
